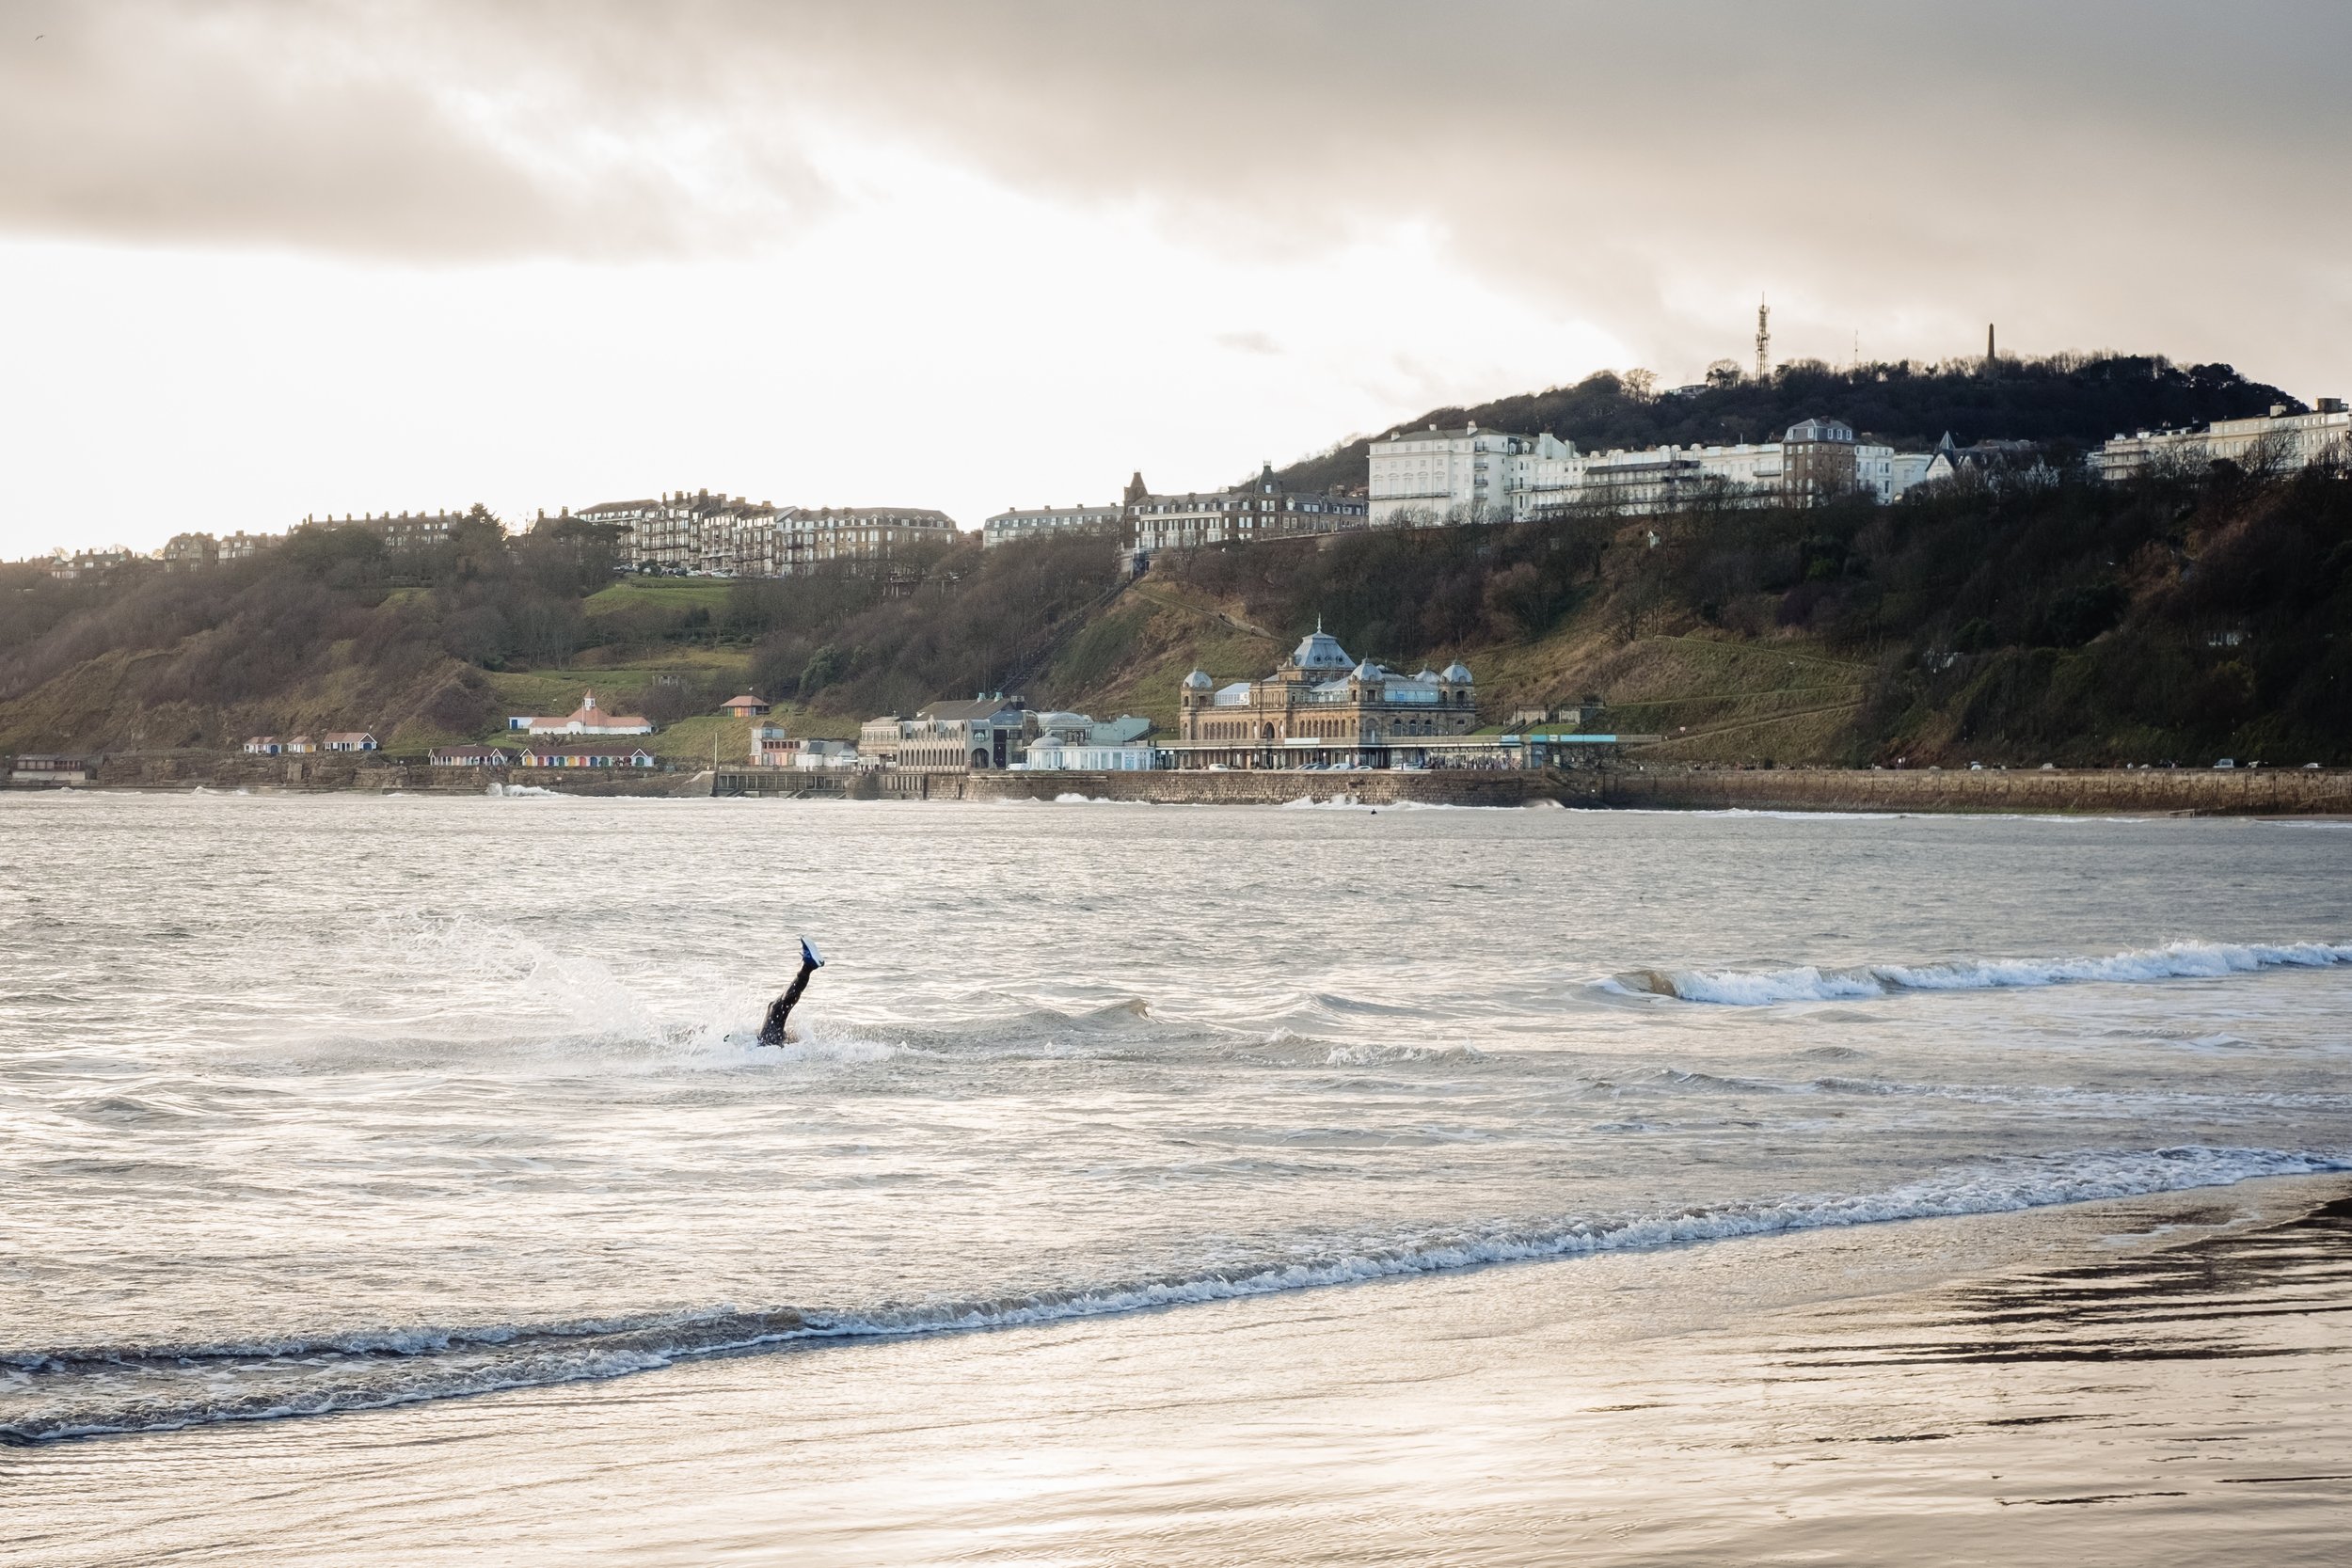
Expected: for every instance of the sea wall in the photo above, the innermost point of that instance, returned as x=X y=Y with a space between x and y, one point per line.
x=2133 y=792
x=1443 y=786
x=372 y=771
x=1271 y=788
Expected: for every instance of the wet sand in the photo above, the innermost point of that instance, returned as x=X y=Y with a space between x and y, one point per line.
x=2154 y=1380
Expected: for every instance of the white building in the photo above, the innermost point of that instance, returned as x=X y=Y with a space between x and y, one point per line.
x=1041 y=521
x=1467 y=475
x=2278 y=442
x=1071 y=741
x=587 y=718
x=827 y=756
x=1473 y=475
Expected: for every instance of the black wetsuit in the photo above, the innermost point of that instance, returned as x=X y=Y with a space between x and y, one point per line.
x=771 y=1032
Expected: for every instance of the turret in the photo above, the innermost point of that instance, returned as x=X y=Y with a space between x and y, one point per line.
x=1454 y=685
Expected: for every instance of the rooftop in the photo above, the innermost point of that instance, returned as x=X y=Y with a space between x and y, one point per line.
x=977 y=707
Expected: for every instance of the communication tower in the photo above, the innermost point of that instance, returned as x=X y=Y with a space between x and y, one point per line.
x=1763 y=340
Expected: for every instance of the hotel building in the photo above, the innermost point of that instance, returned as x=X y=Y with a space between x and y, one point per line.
x=2278 y=442
x=1472 y=475
x=703 y=534
x=1044 y=521
x=1261 y=510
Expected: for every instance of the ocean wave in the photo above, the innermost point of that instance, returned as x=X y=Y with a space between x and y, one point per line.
x=1381 y=1055
x=98 y=1389
x=1758 y=988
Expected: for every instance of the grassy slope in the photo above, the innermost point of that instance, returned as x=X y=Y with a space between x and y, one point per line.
x=658 y=593
x=97 y=703
x=1713 y=697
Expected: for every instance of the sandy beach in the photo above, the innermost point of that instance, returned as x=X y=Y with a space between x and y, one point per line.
x=2151 y=1380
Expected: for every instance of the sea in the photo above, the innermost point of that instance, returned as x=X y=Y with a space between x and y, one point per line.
x=400 y=1177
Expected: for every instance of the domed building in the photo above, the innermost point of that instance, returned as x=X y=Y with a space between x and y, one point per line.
x=1321 y=708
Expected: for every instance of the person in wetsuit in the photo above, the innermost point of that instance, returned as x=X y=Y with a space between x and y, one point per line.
x=773 y=1032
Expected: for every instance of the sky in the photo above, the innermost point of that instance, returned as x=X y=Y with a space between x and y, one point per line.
x=261 y=259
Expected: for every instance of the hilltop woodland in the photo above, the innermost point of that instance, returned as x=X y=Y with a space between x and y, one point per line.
x=2008 y=618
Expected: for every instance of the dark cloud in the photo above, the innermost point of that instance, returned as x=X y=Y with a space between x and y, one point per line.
x=2150 y=173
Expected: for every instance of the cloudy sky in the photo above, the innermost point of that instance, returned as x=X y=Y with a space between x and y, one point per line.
x=262 y=258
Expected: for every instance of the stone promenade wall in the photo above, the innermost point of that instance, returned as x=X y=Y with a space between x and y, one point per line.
x=345 y=770
x=2136 y=792
x=1444 y=786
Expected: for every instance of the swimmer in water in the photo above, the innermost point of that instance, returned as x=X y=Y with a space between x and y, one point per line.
x=773 y=1031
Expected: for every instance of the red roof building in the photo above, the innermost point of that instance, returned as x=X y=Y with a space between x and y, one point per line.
x=587 y=718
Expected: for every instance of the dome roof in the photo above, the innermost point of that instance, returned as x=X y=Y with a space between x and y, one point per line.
x=1318 y=650
x=1198 y=681
x=1368 y=671
x=1456 y=671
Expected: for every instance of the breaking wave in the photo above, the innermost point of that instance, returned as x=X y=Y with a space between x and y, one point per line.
x=87 y=1390
x=1758 y=988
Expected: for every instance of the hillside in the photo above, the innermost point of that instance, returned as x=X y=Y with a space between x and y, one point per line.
x=2076 y=624
x=2068 y=401
x=2174 y=620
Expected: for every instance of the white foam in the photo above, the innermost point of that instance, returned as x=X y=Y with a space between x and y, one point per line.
x=577 y=1352
x=2175 y=960
x=1351 y=803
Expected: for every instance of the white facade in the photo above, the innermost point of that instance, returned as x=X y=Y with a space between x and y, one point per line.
x=1041 y=521
x=2278 y=442
x=587 y=718
x=1469 y=475
x=1073 y=742
x=1473 y=475
x=826 y=756
x=1055 y=757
